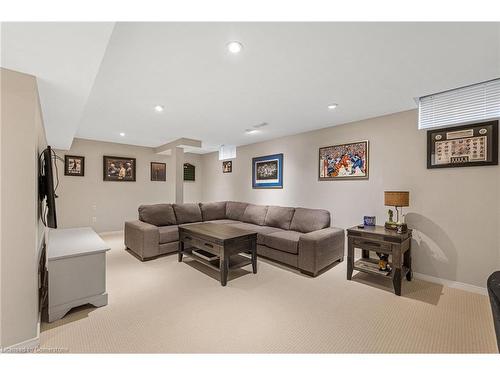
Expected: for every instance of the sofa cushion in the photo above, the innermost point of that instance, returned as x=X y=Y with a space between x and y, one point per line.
x=235 y=210
x=259 y=229
x=307 y=220
x=279 y=217
x=187 y=212
x=213 y=210
x=255 y=214
x=157 y=214
x=169 y=234
x=287 y=240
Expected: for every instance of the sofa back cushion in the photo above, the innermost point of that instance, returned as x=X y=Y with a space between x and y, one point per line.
x=255 y=214
x=213 y=210
x=235 y=210
x=279 y=217
x=157 y=214
x=187 y=213
x=307 y=220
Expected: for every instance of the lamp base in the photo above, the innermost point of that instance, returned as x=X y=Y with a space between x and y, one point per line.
x=400 y=228
x=391 y=225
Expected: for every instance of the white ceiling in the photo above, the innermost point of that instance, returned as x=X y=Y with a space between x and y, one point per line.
x=65 y=57
x=286 y=75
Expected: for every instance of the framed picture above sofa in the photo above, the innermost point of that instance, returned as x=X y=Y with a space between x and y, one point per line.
x=463 y=146
x=227 y=166
x=74 y=165
x=267 y=172
x=117 y=168
x=347 y=161
x=158 y=171
x=189 y=172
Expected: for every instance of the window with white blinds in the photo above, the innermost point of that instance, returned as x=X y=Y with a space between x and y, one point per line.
x=466 y=104
x=227 y=152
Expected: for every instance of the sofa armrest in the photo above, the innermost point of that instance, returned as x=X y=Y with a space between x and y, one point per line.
x=142 y=238
x=320 y=248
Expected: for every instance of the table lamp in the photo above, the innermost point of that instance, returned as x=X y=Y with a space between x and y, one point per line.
x=397 y=199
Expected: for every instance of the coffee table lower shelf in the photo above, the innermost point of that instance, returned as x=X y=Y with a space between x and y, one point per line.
x=235 y=261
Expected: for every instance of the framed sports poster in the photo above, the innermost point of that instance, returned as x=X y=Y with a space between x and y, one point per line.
x=267 y=172
x=347 y=161
x=117 y=168
x=463 y=146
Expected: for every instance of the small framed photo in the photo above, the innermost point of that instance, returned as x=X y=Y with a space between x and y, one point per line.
x=116 y=168
x=369 y=221
x=267 y=172
x=74 y=165
x=227 y=166
x=158 y=171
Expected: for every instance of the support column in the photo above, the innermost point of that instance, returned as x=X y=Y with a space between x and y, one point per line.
x=179 y=174
x=176 y=150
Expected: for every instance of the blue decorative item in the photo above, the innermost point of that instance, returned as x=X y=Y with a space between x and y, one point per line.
x=267 y=172
x=369 y=221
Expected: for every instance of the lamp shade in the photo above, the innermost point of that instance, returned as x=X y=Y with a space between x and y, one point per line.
x=397 y=198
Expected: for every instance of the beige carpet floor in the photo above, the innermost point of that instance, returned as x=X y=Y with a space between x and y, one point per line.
x=163 y=306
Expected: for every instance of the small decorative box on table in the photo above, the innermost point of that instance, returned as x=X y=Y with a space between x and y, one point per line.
x=381 y=240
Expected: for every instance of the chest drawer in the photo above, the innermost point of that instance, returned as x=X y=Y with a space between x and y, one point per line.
x=207 y=246
x=370 y=244
x=192 y=241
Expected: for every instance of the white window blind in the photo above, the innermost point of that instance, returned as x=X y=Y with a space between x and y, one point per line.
x=466 y=104
x=227 y=152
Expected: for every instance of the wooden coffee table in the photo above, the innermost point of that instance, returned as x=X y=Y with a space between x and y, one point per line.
x=225 y=243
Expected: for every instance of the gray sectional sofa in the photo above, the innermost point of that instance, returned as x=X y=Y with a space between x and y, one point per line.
x=298 y=237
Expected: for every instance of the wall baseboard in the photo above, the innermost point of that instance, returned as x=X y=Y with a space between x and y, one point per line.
x=452 y=284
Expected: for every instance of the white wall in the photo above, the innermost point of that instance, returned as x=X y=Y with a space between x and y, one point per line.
x=110 y=202
x=454 y=211
x=22 y=139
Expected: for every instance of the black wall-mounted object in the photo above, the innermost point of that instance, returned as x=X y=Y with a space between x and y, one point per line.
x=493 y=285
x=189 y=172
x=46 y=190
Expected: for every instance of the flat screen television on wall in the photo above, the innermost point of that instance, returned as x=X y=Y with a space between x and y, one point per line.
x=46 y=189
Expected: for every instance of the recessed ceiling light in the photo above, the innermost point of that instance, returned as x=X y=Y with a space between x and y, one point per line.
x=122 y=134
x=234 y=47
x=159 y=108
x=332 y=106
x=251 y=131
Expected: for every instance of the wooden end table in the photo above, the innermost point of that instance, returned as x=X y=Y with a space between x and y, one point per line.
x=381 y=240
